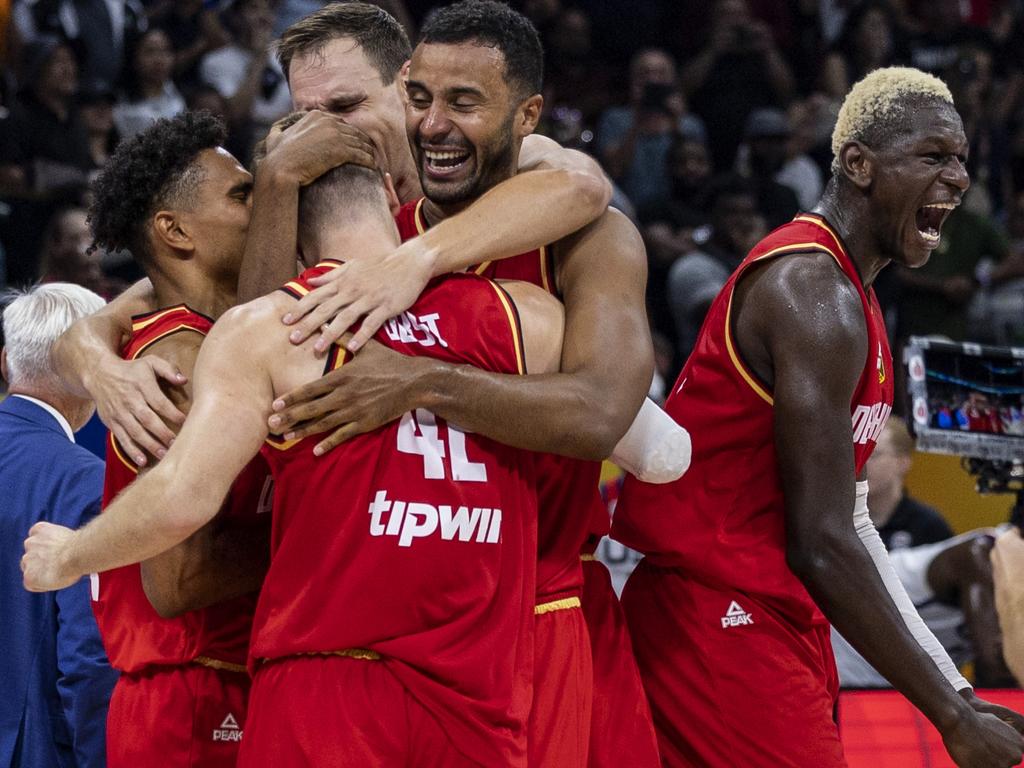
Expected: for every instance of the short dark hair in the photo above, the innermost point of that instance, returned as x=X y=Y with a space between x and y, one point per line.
x=376 y=31
x=151 y=170
x=494 y=25
x=342 y=196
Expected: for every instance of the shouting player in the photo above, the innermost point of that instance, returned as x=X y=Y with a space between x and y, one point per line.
x=180 y=204
x=767 y=538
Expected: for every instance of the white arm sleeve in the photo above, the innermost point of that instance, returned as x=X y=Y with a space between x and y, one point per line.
x=873 y=544
x=655 y=449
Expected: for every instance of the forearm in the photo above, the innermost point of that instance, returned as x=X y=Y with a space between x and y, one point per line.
x=218 y=562
x=92 y=343
x=269 y=258
x=846 y=584
x=528 y=211
x=154 y=514
x=558 y=413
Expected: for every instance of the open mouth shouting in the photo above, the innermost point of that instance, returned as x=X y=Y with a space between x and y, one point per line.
x=929 y=220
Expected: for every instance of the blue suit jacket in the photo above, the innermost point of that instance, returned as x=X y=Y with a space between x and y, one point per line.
x=55 y=682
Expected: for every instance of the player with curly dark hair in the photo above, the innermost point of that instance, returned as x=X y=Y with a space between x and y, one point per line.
x=180 y=203
x=154 y=169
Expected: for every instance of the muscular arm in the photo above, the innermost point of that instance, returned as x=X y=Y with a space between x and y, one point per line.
x=127 y=393
x=556 y=192
x=219 y=561
x=186 y=489
x=606 y=366
x=808 y=320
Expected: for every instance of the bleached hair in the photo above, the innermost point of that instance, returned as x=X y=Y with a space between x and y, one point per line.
x=880 y=103
x=34 y=319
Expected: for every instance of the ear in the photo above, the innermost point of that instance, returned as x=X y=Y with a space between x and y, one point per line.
x=3 y=366
x=389 y=191
x=858 y=163
x=529 y=115
x=169 y=228
x=403 y=81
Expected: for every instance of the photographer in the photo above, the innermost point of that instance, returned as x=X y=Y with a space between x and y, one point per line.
x=739 y=70
x=633 y=141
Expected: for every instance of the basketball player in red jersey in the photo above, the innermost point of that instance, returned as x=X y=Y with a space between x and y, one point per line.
x=180 y=203
x=767 y=538
x=395 y=623
x=473 y=90
x=343 y=63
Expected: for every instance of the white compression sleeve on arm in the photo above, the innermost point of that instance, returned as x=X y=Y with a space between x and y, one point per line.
x=655 y=449
x=873 y=544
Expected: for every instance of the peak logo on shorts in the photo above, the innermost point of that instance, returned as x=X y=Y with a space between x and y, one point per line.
x=410 y=520
x=410 y=329
x=868 y=421
x=228 y=731
x=736 y=616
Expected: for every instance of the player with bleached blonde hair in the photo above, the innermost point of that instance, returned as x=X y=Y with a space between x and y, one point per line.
x=766 y=540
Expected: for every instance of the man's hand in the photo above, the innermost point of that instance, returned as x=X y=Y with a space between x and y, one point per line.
x=314 y=145
x=364 y=394
x=374 y=289
x=983 y=741
x=1008 y=716
x=43 y=564
x=131 y=403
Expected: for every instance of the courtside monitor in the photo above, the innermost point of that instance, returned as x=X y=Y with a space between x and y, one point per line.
x=966 y=399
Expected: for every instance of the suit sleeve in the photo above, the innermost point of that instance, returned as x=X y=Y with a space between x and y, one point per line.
x=85 y=679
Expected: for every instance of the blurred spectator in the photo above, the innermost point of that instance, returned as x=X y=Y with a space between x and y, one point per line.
x=99 y=29
x=44 y=153
x=689 y=171
x=194 y=29
x=575 y=76
x=949 y=579
x=54 y=675
x=935 y=297
x=740 y=69
x=943 y=32
x=246 y=73
x=695 y=279
x=997 y=315
x=96 y=108
x=150 y=92
x=763 y=157
x=870 y=38
x=633 y=141
x=66 y=256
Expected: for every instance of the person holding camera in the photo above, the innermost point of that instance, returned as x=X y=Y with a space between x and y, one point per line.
x=633 y=141
x=739 y=70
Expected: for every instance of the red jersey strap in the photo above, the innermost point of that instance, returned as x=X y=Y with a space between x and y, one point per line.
x=151 y=327
x=811 y=233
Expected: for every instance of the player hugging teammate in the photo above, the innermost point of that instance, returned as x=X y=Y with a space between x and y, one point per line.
x=427 y=593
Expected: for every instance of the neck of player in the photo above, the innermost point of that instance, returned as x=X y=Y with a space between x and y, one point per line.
x=207 y=294
x=366 y=239
x=851 y=220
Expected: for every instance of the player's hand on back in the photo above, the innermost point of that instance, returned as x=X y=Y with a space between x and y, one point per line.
x=372 y=289
x=369 y=391
x=983 y=740
x=314 y=145
x=130 y=401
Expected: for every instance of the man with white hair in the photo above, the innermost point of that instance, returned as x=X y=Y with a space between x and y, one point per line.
x=767 y=539
x=53 y=671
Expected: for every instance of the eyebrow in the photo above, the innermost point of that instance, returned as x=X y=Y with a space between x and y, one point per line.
x=345 y=98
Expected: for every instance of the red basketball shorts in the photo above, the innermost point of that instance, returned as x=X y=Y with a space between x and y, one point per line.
x=730 y=682
x=621 y=731
x=558 y=730
x=337 y=712
x=177 y=717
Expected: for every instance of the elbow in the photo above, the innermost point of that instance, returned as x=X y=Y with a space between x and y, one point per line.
x=593 y=191
x=168 y=602
x=814 y=559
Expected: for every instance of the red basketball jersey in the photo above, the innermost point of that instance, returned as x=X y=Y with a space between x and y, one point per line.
x=134 y=635
x=723 y=520
x=416 y=541
x=568 y=497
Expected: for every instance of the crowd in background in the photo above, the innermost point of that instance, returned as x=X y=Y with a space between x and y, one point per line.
x=713 y=120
